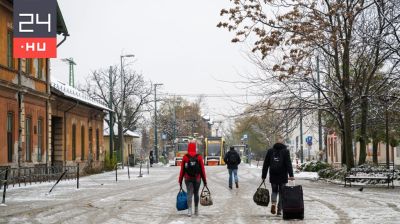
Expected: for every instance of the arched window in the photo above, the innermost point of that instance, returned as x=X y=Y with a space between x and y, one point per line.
x=40 y=139
x=82 y=142
x=28 y=138
x=10 y=135
x=97 y=144
x=73 y=142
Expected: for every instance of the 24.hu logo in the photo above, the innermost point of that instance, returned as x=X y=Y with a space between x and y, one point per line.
x=35 y=24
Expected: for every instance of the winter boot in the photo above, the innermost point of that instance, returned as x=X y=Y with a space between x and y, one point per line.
x=273 y=208
x=189 y=211
x=237 y=184
x=196 y=210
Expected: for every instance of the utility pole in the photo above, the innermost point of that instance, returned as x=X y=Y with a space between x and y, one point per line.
x=71 y=63
x=174 y=127
x=319 y=111
x=155 y=121
x=301 y=129
x=121 y=119
x=111 y=124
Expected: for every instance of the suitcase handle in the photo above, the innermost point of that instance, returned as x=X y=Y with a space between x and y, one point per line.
x=292 y=183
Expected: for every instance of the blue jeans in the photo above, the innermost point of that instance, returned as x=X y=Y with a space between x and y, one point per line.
x=277 y=188
x=234 y=171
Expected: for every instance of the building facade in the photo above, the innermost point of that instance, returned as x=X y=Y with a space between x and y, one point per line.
x=77 y=128
x=24 y=96
x=132 y=143
x=334 y=145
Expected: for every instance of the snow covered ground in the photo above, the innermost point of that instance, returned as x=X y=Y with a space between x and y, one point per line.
x=152 y=198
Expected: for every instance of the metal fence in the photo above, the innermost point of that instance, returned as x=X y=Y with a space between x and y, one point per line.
x=38 y=173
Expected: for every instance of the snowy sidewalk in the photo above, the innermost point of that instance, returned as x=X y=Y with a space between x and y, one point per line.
x=152 y=198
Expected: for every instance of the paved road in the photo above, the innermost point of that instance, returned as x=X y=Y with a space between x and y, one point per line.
x=151 y=199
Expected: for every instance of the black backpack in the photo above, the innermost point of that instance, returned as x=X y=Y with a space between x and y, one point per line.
x=276 y=163
x=232 y=158
x=192 y=168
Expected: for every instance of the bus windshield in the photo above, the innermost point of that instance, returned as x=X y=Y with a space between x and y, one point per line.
x=214 y=149
x=182 y=146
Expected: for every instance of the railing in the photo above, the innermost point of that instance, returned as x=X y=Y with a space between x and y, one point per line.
x=38 y=173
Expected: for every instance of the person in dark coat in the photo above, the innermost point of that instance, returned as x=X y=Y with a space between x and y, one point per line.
x=232 y=160
x=279 y=164
x=151 y=158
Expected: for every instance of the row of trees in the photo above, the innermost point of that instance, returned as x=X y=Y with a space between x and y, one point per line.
x=353 y=45
x=133 y=103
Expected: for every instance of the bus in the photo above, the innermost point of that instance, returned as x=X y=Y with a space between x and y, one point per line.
x=181 y=147
x=214 y=151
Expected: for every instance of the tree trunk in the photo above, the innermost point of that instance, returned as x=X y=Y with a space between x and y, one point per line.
x=375 y=143
x=343 y=147
x=363 y=134
x=348 y=145
x=120 y=140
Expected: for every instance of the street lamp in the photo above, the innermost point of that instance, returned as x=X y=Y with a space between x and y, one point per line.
x=121 y=128
x=155 y=120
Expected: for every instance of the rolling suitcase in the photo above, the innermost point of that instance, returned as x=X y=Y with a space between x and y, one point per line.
x=292 y=202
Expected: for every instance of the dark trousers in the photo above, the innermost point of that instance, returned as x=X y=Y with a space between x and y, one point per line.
x=277 y=189
x=192 y=187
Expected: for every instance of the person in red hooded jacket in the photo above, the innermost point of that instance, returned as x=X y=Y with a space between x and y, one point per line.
x=192 y=169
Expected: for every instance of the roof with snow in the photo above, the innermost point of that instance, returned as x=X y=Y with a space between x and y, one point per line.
x=129 y=133
x=73 y=93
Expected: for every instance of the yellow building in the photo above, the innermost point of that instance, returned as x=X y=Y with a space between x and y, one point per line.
x=132 y=143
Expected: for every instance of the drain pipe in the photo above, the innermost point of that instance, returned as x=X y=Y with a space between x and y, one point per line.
x=65 y=131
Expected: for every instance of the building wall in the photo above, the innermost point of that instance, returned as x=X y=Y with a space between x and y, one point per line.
x=85 y=117
x=8 y=104
x=334 y=146
x=131 y=146
x=32 y=85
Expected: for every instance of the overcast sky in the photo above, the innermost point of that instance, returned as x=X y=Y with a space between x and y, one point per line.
x=176 y=42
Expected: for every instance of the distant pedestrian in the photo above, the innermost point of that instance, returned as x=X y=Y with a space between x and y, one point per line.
x=192 y=170
x=232 y=160
x=151 y=158
x=279 y=164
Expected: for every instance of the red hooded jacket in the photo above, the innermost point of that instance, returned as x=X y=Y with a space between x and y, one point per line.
x=185 y=159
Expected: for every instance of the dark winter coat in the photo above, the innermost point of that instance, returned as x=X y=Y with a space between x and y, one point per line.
x=281 y=177
x=230 y=164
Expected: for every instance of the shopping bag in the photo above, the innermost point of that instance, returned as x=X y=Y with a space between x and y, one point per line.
x=181 y=200
x=205 y=197
x=292 y=202
x=261 y=197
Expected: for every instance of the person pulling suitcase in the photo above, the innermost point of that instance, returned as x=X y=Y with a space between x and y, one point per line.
x=278 y=163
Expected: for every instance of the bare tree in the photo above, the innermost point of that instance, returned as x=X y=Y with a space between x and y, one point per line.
x=133 y=95
x=353 y=38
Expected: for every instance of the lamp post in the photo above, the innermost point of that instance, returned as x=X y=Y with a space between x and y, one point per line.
x=121 y=120
x=155 y=121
